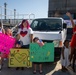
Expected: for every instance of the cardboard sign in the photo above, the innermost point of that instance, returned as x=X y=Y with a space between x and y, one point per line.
x=42 y=54
x=19 y=58
x=6 y=42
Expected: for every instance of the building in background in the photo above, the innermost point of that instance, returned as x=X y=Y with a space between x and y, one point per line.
x=60 y=7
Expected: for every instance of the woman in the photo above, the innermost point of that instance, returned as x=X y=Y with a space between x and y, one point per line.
x=73 y=40
x=26 y=35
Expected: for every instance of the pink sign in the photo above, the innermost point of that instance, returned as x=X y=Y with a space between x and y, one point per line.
x=6 y=42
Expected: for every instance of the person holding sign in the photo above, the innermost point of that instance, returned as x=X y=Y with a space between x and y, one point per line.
x=1 y=31
x=9 y=33
x=40 y=42
x=25 y=34
x=18 y=44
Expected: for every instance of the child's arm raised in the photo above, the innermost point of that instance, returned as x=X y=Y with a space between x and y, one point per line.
x=70 y=16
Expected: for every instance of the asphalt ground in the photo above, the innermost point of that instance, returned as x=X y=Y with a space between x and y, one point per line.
x=49 y=68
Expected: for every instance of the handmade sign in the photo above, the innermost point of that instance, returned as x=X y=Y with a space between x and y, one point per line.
x=19 y=58
x=42 y=54
x=6 y=42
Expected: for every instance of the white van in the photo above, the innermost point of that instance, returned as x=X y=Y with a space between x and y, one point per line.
x=51 y=29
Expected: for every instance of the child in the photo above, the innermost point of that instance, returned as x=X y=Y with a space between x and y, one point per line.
x=8 y=32
x=18 y=44
x=65 y=56
x=37 y=40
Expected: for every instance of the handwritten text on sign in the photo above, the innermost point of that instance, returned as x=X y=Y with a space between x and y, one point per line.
x=6 y=42
x=19 y=58
x=42 y=54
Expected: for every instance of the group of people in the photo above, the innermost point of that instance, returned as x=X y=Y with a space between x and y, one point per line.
x=68 y=53
x=23 y=37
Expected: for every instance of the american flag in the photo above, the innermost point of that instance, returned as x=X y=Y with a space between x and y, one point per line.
x=40 y=42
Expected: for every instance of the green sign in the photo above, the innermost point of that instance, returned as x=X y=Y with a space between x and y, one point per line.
x=42 y=54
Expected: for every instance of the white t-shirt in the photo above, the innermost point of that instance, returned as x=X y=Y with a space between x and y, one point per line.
x=25 y=35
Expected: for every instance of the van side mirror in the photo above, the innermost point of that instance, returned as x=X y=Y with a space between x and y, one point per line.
x=64 y=25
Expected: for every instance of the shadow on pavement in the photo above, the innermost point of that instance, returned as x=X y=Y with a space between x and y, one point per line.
x=47 y=67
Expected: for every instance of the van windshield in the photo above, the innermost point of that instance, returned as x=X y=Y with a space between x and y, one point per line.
x=46 y=25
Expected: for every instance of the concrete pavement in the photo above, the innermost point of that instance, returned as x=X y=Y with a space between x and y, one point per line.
x=48 y=69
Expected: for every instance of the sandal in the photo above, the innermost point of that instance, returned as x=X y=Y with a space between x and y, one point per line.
x=34 y=72
x=41 y=72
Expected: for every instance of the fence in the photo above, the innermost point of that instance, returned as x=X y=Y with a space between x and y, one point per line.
x=12 y=17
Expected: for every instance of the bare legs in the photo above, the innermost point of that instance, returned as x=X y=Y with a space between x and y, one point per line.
x=71 y=55
x=40 y=66
x=0 y=63
x=35 y=68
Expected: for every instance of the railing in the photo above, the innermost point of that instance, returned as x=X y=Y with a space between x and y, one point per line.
x=13 y=17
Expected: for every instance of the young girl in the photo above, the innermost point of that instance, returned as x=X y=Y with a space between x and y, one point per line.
x=65 y=56
x=40 y=42
x=9 y=33
x=18 y=44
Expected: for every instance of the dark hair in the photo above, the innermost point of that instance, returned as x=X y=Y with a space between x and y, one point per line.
x=66 y=41
x=35 y=39
x=19 y=42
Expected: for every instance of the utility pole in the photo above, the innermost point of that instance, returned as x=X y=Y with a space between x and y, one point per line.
x=14 y=15
x=5 y=5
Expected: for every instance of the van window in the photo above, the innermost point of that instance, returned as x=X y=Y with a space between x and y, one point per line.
x=46 y=24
